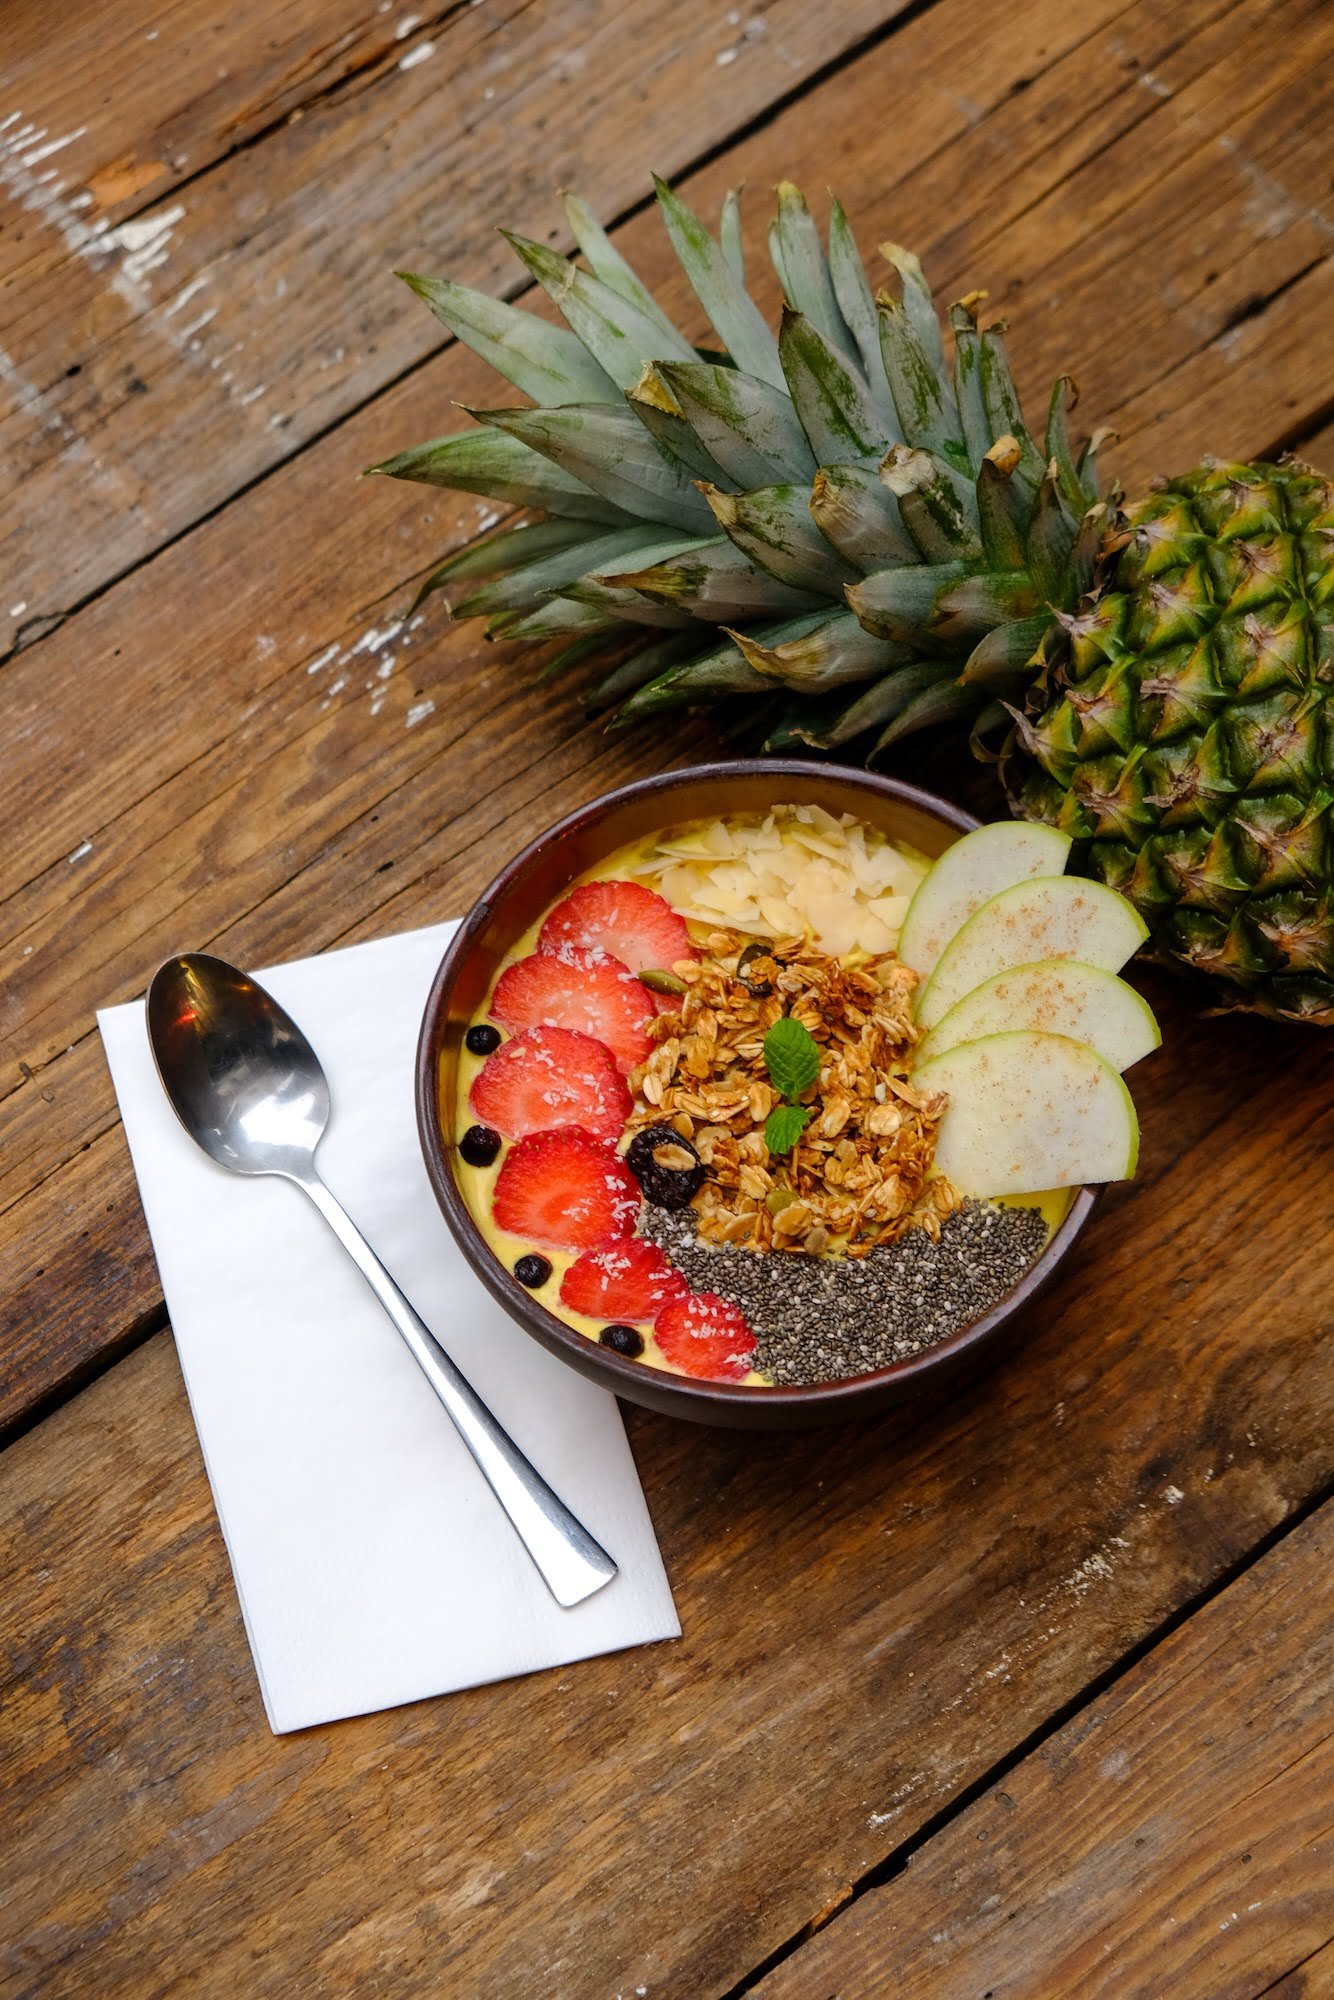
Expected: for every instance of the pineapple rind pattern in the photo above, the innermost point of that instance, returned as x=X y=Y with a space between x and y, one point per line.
x=1182 y=729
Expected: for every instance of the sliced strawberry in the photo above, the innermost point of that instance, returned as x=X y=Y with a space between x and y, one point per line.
x=622 y=917
x=545 y=1077
x=565 y=1191
x=704 y=1335
x=628 y=1281
x=587 y=990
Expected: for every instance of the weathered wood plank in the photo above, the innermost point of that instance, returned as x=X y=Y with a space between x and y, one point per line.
x=256 y=307
x=1174 y=1838
x=1313 y=1979
x=1316 y=444
x=142 y=99
x=1143 y=1437
x=230 y=794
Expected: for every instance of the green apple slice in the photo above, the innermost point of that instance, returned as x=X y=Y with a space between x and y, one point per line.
x=1061 y=916
x=969 y=874
x=1056 y=996
x=1028 y=1112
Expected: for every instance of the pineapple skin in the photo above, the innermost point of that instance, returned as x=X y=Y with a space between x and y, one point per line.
x=843 y=531
x=1181 y=730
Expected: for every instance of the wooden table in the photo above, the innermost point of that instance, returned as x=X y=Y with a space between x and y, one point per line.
x=1023 y=1695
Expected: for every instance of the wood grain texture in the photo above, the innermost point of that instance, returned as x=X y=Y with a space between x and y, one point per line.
x=233 y=795
x=253 y=308
x=1176 y=1837
x=1312 y=1979
x=141 y=99
x=873 y=1617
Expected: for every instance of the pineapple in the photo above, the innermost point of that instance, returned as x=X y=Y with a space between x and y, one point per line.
x=850 y=536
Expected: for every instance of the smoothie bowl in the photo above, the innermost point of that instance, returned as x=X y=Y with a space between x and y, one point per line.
x=747 y=1104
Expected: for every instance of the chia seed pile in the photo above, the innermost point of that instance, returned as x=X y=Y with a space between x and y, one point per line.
x=817 y=1319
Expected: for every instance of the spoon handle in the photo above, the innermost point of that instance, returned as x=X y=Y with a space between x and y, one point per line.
x=572 y=1564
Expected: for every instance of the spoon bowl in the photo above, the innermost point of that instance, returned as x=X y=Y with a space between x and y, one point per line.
x=241 y=1076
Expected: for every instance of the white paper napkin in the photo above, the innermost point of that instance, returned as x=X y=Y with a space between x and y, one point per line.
x=372 y=1564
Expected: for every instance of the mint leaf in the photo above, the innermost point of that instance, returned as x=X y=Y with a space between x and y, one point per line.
x=784 y=1126
x=793 y=1058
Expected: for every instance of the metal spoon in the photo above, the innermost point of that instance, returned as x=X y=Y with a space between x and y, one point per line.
x=249 y=1089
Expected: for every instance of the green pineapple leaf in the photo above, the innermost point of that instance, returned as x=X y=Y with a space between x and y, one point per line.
x=881 y=703
x=729 y=234
x=977 y=433
x=855 y=511
x=830 y=394
x=937 y=505
x=522 y=587
x=807 y=284
x=733 y=313
x=926 y=407
x=1000 y=399
x=609 y=265
x=652 y=402
x=773 y=527
x=506 y=548
x=545 y=362
x=614 y=329
x=714 y=581
x=745 y=423
x=605 y=447
x=920 y=308
x=719 y=671
x=836 y=652
x=641 y=666
x=901 y=603
x=944 y=701
x=852 y=288
x=488 y=462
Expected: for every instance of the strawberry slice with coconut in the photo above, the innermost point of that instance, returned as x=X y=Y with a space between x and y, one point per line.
x=631 y=922
x=705 y=1335
x=565 y=1191
x=579 y=987
x=630 y=1281
x=546 y=1077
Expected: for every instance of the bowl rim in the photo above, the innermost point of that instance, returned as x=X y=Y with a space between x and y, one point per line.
x=621 y=1374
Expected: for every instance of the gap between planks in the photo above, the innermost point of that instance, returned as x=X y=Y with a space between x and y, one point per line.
x=899 y=1858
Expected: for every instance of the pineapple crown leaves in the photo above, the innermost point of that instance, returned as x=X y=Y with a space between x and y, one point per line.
x=836 y=517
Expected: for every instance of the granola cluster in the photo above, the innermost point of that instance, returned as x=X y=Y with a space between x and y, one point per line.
x=858 y=1176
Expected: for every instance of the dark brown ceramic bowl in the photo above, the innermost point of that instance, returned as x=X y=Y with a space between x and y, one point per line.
x=517 y=897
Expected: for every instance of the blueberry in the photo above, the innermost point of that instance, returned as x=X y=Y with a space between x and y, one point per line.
x=532 y=1271
x=667 y=1167
x=479 y=1145
x=482 y=1040
x=623 y=1340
